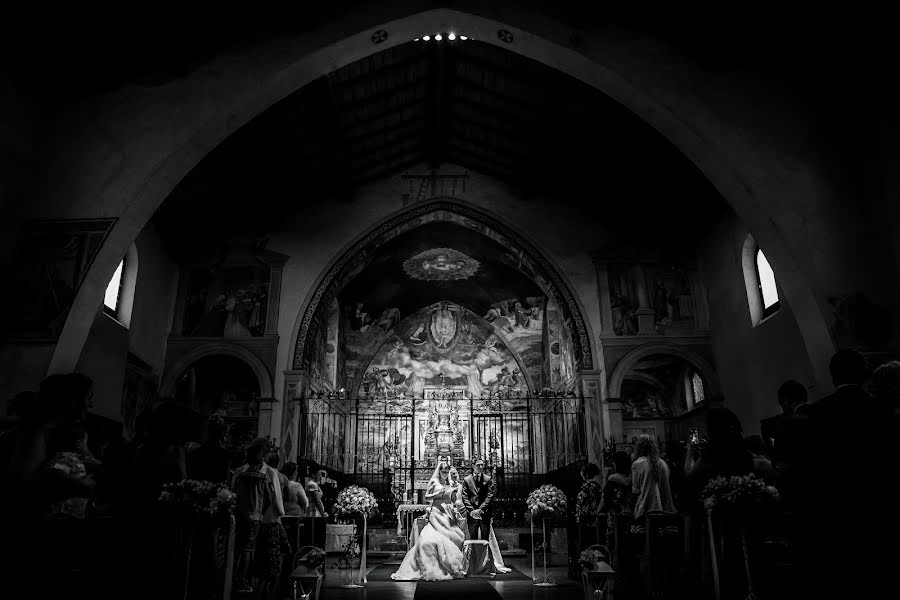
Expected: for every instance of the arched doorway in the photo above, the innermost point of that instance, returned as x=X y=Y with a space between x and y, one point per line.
x=218 y=383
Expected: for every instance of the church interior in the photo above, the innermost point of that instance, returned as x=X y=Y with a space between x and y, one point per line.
x=635 y=271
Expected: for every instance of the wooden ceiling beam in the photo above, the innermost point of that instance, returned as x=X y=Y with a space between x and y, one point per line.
x=436 y=134
x=332 y=142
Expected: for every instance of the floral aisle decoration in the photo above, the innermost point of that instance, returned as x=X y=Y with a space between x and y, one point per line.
x=203 y=498
x=547 y=503
x=356 y=502
x=740 y=497
x=590 y=558
x=740 y=493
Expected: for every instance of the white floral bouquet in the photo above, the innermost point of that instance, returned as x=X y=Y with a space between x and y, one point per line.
x=355 y=501
x=737 y=492
x=546 y=502
x=200 y=497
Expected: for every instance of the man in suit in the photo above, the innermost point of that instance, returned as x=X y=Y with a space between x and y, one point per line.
x=865 y=471
x=478 y=491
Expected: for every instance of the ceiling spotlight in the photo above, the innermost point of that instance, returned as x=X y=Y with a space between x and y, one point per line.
x=426 y=38
x=462 y=37
x=416 y=40
x=451 y=37
x=438 y=37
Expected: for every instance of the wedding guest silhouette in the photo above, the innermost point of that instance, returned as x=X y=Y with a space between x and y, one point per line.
x=478 y=491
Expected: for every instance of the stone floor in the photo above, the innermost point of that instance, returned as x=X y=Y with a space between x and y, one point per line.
x=565 y=590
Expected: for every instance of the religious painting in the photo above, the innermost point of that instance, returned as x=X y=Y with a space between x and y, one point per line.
x=669 y=288
x=623 y=300
x=442 y=345
x=440 y=264
x=226 y=301
x=51 y=259
x=633 y=434
x=561 y=353
x=658 y=386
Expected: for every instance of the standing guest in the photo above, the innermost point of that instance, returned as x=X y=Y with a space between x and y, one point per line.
x=67 y=447
x=886 y=380
x=211 y=461
x=258 y=501
x=846 y=412
x=724 y=454
x=650 y=480
x=762 y=466
x=314 y=493
x=295 y=500
x=588 y=501
x=617 y=497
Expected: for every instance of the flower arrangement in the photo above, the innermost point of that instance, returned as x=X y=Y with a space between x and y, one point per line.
x=589 y=558
x=696 y=443
x=201 y=497
x=355 y=501
x=546 y=502
x=737 y=492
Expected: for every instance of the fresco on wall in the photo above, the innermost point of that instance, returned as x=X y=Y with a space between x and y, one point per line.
x=442 y=344
x=657 y=386
x=226 y=302
x=669 y=288
x=321 y=368
x=560 y=352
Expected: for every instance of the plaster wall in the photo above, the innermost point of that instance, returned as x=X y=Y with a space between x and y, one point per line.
x=154 y=300
x=752 y=362
x=103 y=360
x=324 y=228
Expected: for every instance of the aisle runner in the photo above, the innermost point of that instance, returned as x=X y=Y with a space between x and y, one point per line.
x=383 y=573
x=470 y=589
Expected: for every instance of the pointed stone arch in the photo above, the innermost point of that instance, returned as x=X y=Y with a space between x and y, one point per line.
x=535 y=263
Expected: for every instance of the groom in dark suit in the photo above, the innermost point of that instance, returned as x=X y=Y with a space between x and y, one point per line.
x=478 y=491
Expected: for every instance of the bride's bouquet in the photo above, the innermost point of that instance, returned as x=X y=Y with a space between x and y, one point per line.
x=546 y=502
x=199 y=497
x=738 y=492
x=355 y=501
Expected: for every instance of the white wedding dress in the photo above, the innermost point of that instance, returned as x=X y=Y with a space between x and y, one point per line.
x=437 y=553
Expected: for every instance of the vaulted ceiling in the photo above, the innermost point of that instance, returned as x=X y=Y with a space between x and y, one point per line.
x=464 y=102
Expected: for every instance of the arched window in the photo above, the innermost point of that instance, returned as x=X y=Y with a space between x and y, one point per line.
x=114 y=291
x=768 y=291
x=762 y=289
x=119 y=297
x=694 y=390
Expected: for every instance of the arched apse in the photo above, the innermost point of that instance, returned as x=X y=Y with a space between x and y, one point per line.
x=165 y=132
x=532 y=262
x=628 y=362
x=167 y=386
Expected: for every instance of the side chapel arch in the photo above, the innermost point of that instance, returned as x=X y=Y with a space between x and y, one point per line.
x=628 y=362
x=167 y=386
x=535 y=264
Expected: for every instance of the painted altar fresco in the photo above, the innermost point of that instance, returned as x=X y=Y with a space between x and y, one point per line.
x=443 y=344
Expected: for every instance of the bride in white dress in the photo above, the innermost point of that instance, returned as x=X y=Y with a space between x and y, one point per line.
x=437 y=554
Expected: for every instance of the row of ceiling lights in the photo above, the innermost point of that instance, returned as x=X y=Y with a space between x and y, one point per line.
x=438 y=37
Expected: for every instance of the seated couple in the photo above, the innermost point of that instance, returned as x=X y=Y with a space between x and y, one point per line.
x=457 y=507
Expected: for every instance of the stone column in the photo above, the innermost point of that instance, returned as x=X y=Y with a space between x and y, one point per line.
x=606 y=323
x=264 y=418
x=294 y=386
x=646 y=316
x=616 y=425
x=274 y=298
x=595 y=434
